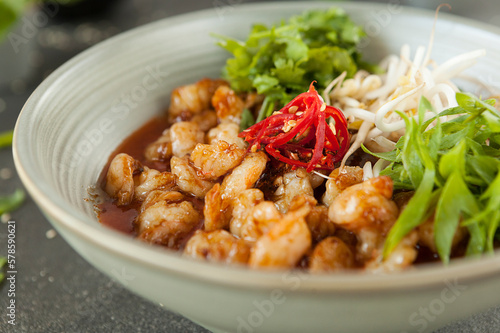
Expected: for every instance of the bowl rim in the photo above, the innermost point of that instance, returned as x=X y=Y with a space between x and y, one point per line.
x=157 y=258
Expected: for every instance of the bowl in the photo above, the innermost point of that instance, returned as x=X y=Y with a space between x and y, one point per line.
x=81 y=113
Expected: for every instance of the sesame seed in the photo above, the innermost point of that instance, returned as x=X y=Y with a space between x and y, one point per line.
x=289 y=125
x=332 y=127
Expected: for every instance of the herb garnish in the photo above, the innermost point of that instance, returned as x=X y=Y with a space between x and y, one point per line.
x=281 y=61
x=454 y=168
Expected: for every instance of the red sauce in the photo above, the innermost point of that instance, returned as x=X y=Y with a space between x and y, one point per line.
x=136 y=143
x=122 y=218
x=118 y=218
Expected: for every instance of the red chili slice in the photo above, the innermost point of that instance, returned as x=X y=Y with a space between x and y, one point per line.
x=301 y=132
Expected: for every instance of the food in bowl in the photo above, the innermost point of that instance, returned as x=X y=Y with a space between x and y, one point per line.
x=224 y=177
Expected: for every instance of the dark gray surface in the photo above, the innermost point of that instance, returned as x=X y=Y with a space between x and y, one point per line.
x=56 y=290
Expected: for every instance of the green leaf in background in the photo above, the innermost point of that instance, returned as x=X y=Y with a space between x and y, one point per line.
x=10 y=11
x=3 y=261
x=6 y=139
x=11 y=202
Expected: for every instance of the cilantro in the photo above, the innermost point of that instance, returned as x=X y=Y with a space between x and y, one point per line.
x=281 y=61
x=454 y=169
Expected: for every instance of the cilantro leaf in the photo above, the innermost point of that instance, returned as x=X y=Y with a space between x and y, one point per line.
x=282 y=60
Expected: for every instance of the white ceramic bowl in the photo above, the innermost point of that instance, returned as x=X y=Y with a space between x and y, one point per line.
x=77 y=117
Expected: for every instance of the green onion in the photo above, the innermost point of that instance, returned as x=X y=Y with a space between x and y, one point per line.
x=454 y=169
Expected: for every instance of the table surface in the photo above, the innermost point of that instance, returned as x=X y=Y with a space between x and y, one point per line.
x=57 y=290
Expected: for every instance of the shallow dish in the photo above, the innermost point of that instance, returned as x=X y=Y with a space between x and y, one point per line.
x=81 y=113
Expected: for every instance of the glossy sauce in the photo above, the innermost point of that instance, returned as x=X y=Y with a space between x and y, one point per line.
x=122 y=218
x=118 y=218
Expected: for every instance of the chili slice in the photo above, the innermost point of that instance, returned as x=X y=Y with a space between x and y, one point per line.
x=301 y=132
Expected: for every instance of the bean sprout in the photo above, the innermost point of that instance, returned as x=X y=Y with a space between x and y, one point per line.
x=369 y=101
x=379 y=166
x=384 y=143
x=367 y=171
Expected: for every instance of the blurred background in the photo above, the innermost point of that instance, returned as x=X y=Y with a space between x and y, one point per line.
x=57 y=291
